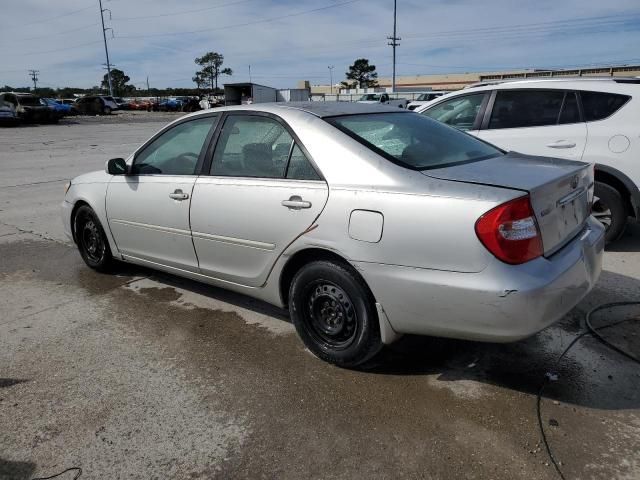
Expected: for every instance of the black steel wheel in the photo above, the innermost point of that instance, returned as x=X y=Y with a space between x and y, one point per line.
x=334 y=313
x=91 y=240
x=330 y=314
x=608 y=208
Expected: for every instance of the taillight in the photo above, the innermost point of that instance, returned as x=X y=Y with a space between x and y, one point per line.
x=510 y=231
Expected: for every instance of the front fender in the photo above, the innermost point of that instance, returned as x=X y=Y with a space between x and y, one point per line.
x=94 y=195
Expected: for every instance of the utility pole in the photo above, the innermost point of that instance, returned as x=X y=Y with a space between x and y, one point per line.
x=331 y=67
x=148 y=89
x=106 y=48
x=34 y=77
x=394 y=43
x=249 y=73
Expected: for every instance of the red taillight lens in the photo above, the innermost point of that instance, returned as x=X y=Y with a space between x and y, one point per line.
x=510 y=232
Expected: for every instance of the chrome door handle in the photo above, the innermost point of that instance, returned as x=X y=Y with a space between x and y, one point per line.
x=561 y=144
x=179 y=195
x=295 y=202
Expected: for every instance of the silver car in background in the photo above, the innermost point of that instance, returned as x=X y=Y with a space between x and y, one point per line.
x=367 y=222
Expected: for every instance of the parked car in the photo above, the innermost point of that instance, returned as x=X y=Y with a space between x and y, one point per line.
x=170 y=105
x=121 y=103
x=424 y=98
x=60 y=109
x=28 y=107
x=136 y=104
x=383 y=99
x=191 y=104
x=590 y=119
x=8 y=115
x=419 y=228
x=96 y=105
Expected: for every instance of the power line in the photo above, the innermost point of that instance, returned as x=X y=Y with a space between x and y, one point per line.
x=65 y=32
x=41 y=52
x=55 y=17
x=182 y=12
x=255 y=22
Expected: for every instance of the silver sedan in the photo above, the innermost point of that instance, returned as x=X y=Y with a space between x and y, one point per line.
x=367 y=222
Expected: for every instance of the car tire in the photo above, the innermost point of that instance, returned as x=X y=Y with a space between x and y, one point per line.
x=609 y=209
x=91 y=240
x=334 y=313
x=106 y=110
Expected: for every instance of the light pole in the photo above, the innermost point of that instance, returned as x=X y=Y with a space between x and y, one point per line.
x=331 y=67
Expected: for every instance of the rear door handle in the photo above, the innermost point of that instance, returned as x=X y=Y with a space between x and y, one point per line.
x=295 y=202
x=561 y=144
x=179 y=195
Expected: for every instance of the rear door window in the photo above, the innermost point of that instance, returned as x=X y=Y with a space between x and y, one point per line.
x=252 y=146
x=599 y=105
x=526 y=108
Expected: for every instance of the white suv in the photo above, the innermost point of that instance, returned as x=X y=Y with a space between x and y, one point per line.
x=595 y=120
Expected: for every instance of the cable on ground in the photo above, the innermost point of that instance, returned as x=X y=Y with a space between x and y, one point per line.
x=552 y=377
x=71 y=469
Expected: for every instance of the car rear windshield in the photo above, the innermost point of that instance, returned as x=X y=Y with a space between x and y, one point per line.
x=413 y=140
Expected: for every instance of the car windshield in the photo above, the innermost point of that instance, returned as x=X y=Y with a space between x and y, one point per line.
x=413 y=140
x=370 y=97
x=29 y=100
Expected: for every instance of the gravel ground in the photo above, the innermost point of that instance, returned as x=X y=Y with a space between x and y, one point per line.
x=144 y=375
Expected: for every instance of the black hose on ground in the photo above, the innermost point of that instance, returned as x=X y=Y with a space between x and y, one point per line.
x=549 y=377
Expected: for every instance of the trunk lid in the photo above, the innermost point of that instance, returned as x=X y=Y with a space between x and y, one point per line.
x=561 y=191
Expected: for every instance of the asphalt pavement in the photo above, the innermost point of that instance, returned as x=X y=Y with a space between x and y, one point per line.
x=145 y=375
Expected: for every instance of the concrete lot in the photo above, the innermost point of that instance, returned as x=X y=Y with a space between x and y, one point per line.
x=144 y=375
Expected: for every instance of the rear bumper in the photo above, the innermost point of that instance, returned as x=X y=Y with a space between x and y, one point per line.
x=502 y=303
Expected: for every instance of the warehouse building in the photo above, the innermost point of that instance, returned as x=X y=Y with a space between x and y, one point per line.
x=456 y=81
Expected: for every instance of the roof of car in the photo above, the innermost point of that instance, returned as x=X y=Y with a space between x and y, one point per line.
x=323 y=109
x=579 y=80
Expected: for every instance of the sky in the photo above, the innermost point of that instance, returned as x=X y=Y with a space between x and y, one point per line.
x=285 y=41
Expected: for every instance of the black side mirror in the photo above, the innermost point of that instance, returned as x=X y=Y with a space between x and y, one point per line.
x=117 y=166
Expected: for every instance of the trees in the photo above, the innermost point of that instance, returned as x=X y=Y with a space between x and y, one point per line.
x=362 y=74
x=118 y=81
x=211 y=63
x=199 y=79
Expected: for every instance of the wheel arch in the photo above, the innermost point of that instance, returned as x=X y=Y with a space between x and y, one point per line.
x=72 y=218
x=618 y=180
x=305 y=256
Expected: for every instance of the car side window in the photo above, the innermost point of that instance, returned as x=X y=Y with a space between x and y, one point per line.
x=176 y=151
x=459 y=112
x=599 y=105
x=300 y=167
x=252 y=146
x=526 y=108
x=570 y=112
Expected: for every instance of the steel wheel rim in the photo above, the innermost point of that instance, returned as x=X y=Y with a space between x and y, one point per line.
x=92 y=243
x=602 y=213
x=330 y=315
